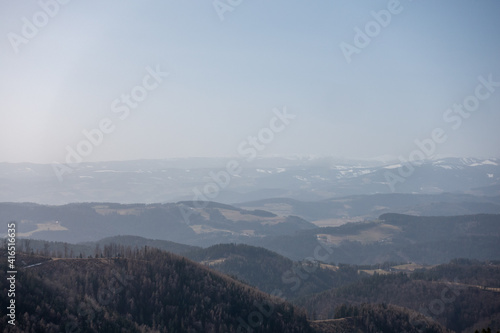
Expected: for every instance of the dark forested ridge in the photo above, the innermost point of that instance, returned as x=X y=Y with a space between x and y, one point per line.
x=448 y=294
x=143 y=289
x=86 y=249
x=270 y=271
x=148 y=291
x=374 y=318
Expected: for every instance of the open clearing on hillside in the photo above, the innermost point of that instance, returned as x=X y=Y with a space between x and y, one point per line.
x=105 y=210
x=378 y=233
x=46 y=226
x=335 y=222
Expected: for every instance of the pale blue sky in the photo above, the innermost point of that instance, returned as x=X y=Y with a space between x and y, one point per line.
x=225 y=78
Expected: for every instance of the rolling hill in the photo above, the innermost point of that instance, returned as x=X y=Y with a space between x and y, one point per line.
x=271 y=272
x=193 y=223
x=458 y=303
x=396 y=238
x=150 y=291
x=338 y=211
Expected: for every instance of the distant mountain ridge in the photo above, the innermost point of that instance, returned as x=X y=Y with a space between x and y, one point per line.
x=307 y=179
x=362 y=207
x=453 y=302
x=209 y=224
x=391 y=237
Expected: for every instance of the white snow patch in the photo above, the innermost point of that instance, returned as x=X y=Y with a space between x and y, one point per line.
x=394 y=166
x=487 y=162
x=343 y=173
x=364 y=172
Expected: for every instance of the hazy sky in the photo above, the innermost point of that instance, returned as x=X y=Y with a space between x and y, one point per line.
x=226 y=77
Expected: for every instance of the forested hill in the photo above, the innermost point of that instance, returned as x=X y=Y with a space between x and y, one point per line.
x=270 y=271
x=462 y=295
x=398 y=238
x=150 y=291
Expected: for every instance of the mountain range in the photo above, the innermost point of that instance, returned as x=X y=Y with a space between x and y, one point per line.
x=287 y=245
x=390 y=237
x=207 y=179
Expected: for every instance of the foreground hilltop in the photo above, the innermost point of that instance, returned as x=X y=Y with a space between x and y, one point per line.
x=149 y=290
x=144 y=289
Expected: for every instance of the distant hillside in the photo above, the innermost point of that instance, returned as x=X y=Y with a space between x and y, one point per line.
x=397 y=238
x=394 y=237
x=68 y=250
x=470 y=272
x=270 y=271
x=83 y=222
x=140 y=242
x=359 y=207
x=191 y=223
